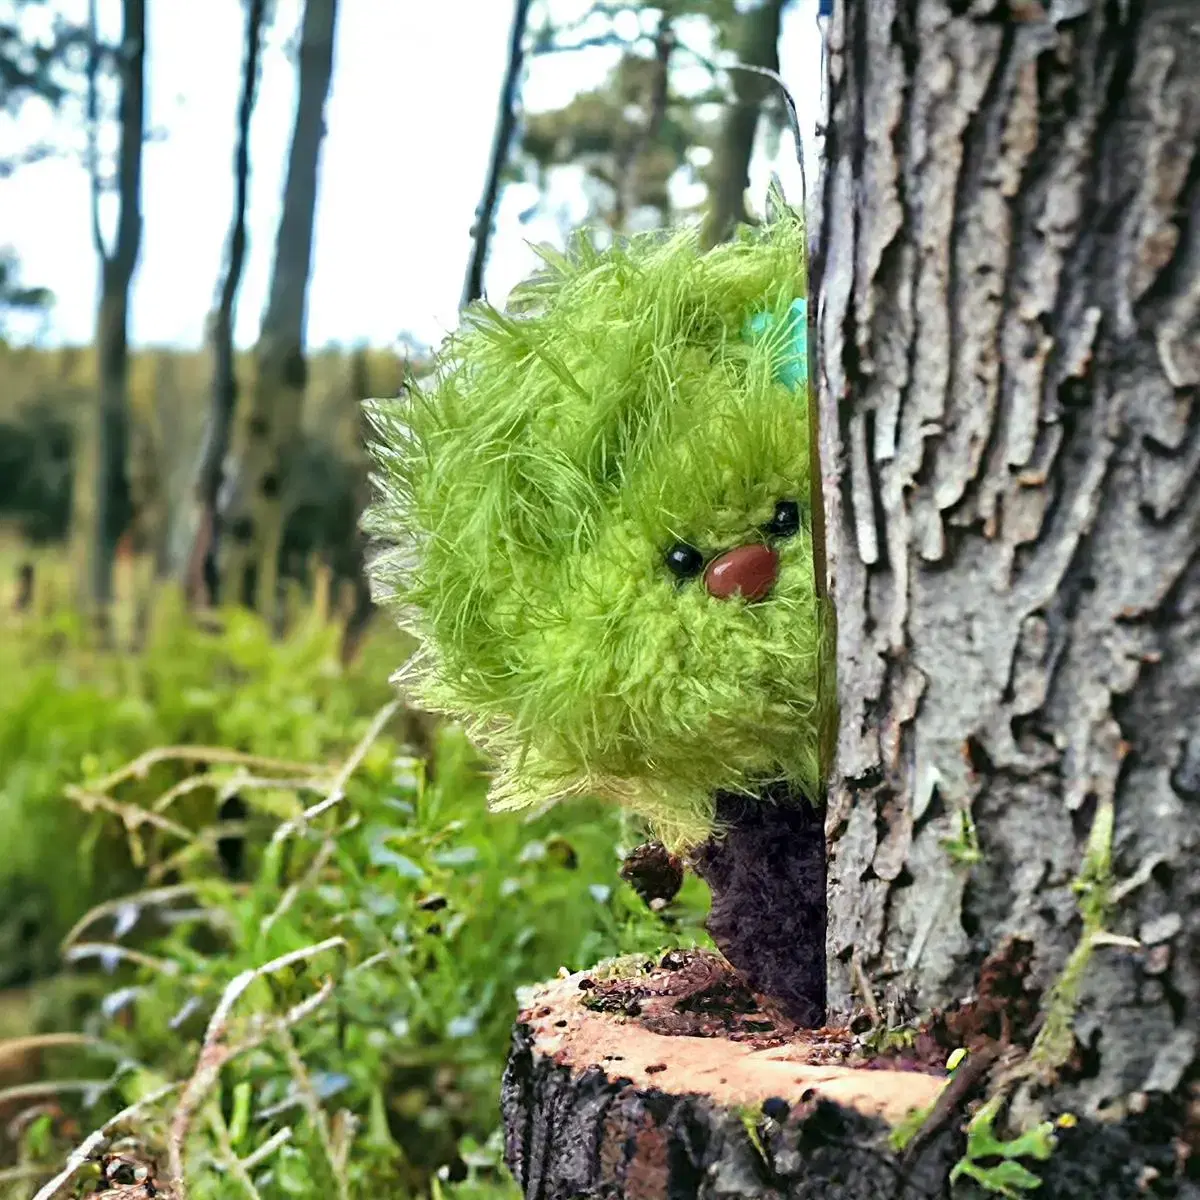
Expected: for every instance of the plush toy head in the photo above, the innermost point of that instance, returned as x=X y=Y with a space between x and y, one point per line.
x=599 y=515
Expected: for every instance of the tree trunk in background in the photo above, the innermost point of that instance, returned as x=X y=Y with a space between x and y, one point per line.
x=506 y=123
x=362 y=608
x=757 y=45
x=1010 y=334
x=104 y=519
x=251 y=508
x=200 y=576
x=175 y=475
x=626 y=173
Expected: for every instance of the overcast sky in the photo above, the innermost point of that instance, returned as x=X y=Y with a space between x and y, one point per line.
x=409 y=127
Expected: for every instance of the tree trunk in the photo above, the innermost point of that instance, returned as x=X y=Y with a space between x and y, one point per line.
x=625 y=175
x=506 y=124
x=106 y=518
x=362 y=608
x=251 y=515
x=1011 y=344
x=200 y=573
x=757 y=45
x=1009 y=289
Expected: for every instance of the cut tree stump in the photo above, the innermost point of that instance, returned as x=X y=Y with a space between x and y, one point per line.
x=676 y=1082
x=669 y=1081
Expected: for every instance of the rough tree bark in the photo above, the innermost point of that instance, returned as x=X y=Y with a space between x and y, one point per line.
x=251 y=513
x=1011 y=342
x=105 y=509
x=1009 y=285
x=200 y=576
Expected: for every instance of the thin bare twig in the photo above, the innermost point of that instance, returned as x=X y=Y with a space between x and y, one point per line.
x=864 y=988
x=337 y=792
x=793 y=118
x=205 y=843
x=951 y=1098
x=15 y=1047
x=311 y=1103
x=215 y=1052
x=236 y=783
x=506 y=124
x=80 y=1155
x=140 y=766
x=132 y=815
x=294 y=890
x=20 y=1174
x=15 y=1129
x=114 y=950
x=148 y=898
x=277 y=1139
x=229 y=1160
x=53 y=1087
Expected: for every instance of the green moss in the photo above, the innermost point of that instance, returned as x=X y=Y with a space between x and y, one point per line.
x=904 y=1133
x=1055 y=1042
x=627 y=966
x=963 y=847
x=750 y=1116
x=629 y=400
x=992 y=1162
x=884 y=1040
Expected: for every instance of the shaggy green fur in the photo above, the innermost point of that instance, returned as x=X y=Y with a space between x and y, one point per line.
x=630 y=399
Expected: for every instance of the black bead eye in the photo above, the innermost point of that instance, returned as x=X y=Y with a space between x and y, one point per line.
x=684 y=560
x=786 y=521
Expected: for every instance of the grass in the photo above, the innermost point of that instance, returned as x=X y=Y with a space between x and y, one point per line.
x=290 y=1005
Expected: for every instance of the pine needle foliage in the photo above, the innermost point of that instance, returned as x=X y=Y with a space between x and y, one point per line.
x=628 y=399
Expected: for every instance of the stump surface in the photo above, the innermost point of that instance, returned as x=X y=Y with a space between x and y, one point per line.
x=676 y=1082
x=670 y=1081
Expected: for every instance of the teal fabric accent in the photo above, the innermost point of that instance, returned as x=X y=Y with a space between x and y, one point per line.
x=792 y=371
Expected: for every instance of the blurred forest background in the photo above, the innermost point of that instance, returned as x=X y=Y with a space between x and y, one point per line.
x=254 y=918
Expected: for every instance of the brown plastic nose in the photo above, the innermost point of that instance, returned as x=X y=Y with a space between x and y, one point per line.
x=750 y=571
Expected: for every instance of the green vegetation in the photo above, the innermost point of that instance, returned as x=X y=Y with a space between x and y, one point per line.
x=363 y=960
x=45 y=398
x=992 y=1162
x=1055 y=1042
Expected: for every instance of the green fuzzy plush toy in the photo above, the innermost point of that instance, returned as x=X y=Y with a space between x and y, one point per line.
x=598 y=519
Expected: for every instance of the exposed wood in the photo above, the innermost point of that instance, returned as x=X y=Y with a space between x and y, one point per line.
x=670 y=1084
x=1010 y=336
